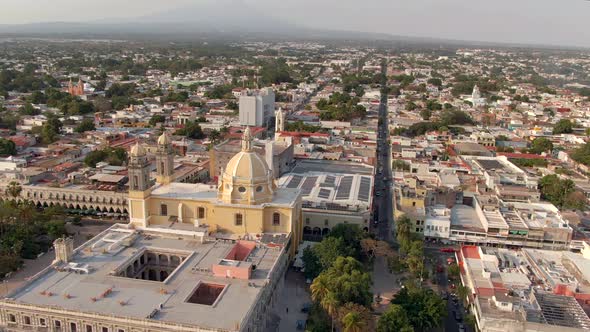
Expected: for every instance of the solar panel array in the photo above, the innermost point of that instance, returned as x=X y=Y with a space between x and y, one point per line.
x=330 y=180
x=308 y=185
x=295 y=181
x=324 y=193
x=364 y=189
x=344 y=187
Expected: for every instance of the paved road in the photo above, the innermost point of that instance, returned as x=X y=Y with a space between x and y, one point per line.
x=383 y=208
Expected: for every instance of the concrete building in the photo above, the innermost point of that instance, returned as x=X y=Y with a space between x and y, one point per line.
x=330 y=199
x=527 y=290
x=257 y=107
x=194 y=257
x=279 y=155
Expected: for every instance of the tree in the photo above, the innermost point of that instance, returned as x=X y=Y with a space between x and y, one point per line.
x=29 y=109
x=85 y=125
x=312 y=266
x=435 y=81
x=403 y=232
x=453 y=270
x=394 y=319
x=563 y=126
x=50 y=130
x=426 y=114
x=540 y=145
x=362 y=313
x=462 y=293
x=7 y=147
x=562 y=193
x=14 y=189
x=157 y=118
x=330 y=249
x=353 y=322
x=191 y=130
x=346 y=281
x=424 y=308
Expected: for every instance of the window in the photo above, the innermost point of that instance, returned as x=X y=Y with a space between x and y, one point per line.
x=57 y=323
x=417 y=230
x=276 y=219
x=11 y=318
x=259 y=189
x=326 y=222
x=120 y=330
x=200 y=212
x=242 y=189
x=164 y=209
x=105 y=329
x=135 y=181
x=413 y=203
x=307 y=221
x=73 y=327
x=27 y=320
x=89 y=328
x=239 y=219
x=42 y=322
x=162 y=168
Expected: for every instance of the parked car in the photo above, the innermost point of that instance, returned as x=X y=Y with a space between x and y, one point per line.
x=461 y=328
x=301 y=325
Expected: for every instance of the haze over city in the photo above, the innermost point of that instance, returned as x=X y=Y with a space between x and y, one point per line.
x=545 y=22
x=294 y=166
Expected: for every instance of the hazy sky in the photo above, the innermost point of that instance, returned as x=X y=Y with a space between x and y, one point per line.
x=558 y=22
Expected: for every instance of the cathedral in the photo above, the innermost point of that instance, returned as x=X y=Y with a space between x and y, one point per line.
x=245 y=204
x=76 y=90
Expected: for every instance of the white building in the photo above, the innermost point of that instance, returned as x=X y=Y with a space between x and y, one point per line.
x=257 y=108
x=438 y=222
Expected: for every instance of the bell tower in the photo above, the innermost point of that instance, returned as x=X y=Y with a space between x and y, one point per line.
x=139 y=170
x=164 y=160
x=279 y=121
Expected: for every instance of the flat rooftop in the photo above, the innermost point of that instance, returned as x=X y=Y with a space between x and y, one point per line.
x=334 y=191
x=187 y=290
x=331 y=166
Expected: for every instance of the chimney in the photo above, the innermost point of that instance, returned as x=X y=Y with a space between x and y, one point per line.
x=64 y=249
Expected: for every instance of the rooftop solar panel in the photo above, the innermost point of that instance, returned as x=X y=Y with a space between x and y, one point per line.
x=308 y=185
x=294 y=182
x=330 y=179
x=344 y=187
x=324 y=193
x=364 y=189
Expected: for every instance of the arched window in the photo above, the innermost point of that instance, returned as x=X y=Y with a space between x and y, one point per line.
x=276 y=219
x=201 y=212
x=239 y=219
x=164 y=209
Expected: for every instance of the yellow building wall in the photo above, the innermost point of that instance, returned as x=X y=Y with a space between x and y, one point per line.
x=221 y=218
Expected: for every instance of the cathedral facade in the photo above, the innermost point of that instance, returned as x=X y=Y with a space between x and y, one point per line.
x=245 y=203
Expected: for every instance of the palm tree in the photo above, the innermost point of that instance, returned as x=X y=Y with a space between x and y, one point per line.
x=403 y=229
x=319 y=289
x=353 y=322
x=462 y=293
x=330 y=304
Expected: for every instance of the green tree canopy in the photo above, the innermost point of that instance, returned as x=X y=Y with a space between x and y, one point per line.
x=563 y=126
x=85 y=125
x=7 y=147
x=425 y=309
x=394 y=319
x=540 y=145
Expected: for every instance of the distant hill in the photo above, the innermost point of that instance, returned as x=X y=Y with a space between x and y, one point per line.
x=219 y=18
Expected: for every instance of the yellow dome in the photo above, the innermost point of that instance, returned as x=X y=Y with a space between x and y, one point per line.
x=164 y=139
x=137 y=150
x=247 y=165
x=247 y=178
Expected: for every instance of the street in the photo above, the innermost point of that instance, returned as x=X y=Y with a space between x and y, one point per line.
x=383 y=209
